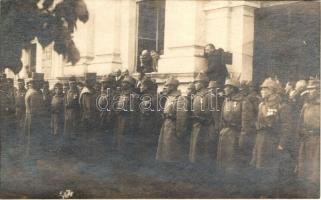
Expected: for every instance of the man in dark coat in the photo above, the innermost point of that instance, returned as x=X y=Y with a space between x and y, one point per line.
x=146 y=140
x=309 y=152
x=57 y=117
x=216 y=68
x=72 y=108
x=274 y=132
x=203 y=123
x=126 y=116
x=20 y=104
x=87 y=99
x=105 y=103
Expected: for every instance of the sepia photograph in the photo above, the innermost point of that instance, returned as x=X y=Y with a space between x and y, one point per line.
x=159 y=99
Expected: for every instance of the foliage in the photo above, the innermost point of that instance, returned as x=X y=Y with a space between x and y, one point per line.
x=21 y=21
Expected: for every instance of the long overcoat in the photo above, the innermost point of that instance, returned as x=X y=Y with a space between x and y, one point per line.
x=203 y=129
x=309 y=152
x=172 y=135
x=72 y=112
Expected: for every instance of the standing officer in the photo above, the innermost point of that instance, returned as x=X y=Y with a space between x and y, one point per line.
x=57 y=117
x=72 y=108
x=126 y=116
x=274 y=131
x=309 y=152
x=20 y=104
x=147 y=130
x=231 y=121
x=203 y=123
x=89 y=115
x=170 y=142
x=35 y=125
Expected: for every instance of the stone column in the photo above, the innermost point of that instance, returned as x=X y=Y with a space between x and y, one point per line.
x=184 y=39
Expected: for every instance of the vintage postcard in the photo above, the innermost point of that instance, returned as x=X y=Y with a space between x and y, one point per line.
x=111 y=99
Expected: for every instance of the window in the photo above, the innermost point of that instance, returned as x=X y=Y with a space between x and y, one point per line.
x=151 y=23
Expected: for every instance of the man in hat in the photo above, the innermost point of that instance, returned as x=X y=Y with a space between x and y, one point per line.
x=203 y=123
x=274 y=132
x=72 y=108
x=170 y=143
x=20 y=103
x=126 y=114
x=35 y=126
x=231 y=124
x=47 y=97
x=309 y=151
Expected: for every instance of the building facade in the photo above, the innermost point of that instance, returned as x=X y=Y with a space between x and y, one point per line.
x=118 y=30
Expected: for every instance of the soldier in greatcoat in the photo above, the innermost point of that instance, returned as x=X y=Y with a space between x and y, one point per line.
x=172 y=134
x=105 y=103
x=20 y=104
x=203 y=122
x=35 y=126
x=57 y=117
x=309 y=151
x=72 y=108
x=274 y=133
x=146 y=140
x=231 y=123
x=89 y=110
x=126 y=108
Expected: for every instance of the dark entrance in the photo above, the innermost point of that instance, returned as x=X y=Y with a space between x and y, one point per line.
x=287 y=41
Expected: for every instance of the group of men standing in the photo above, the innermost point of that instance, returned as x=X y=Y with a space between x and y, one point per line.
x=227 y=125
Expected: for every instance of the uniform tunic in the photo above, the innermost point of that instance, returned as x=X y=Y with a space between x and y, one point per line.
x=228 y=157
x=309 y=153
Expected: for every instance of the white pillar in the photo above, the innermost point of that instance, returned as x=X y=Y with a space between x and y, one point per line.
x=184 y=37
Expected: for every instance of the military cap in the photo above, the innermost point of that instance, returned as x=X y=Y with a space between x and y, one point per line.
x=202 y=77
x=29 y=80
x=129 y=80
x=232 y=82
x=58 y=85
x=271 y=83
x=212 y=85
x=90 y=76
x=20 y=80
x=314 y=84
x=37 y=76
x=72 y=79
x=172 y=81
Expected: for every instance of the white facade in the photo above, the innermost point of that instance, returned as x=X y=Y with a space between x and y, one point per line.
x=109 y=39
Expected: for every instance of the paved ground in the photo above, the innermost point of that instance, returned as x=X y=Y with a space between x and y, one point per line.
x=99 y=173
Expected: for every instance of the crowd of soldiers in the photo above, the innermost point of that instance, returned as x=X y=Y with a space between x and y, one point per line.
x=226 y=126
